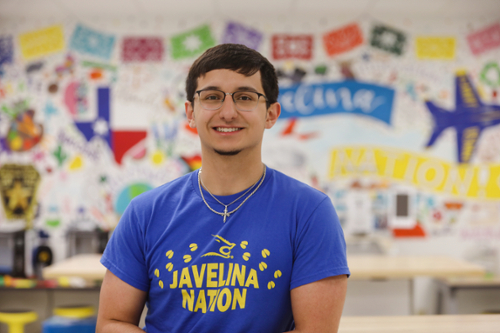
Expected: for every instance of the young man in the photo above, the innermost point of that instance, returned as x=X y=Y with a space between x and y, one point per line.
x=234 y=246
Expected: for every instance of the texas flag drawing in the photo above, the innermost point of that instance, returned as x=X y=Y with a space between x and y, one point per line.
x=120 y=141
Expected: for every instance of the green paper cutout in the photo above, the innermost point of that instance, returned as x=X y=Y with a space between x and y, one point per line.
x=192 y=43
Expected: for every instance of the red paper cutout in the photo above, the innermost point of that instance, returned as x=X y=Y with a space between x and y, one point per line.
x=123 y=141
x=142 y=49
x=484 y=40
x=191 y=129
x=343 y=40
x=290 y=46
x=417 y=231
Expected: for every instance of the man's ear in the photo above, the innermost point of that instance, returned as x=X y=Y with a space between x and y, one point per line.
x=273 y=114
x=190 y=114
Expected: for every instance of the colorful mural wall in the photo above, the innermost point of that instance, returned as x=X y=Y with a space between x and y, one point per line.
x=398 y=123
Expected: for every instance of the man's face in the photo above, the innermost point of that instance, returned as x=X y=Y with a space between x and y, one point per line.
x=227 y=131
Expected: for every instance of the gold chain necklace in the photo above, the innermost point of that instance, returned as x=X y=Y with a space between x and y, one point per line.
x=226 y=213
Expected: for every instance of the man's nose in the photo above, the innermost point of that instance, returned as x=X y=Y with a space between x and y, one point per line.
x=228 y=109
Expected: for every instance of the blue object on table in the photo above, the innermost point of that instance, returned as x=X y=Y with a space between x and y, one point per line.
x=59 y=324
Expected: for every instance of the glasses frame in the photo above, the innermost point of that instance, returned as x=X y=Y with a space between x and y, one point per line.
x=198 y=92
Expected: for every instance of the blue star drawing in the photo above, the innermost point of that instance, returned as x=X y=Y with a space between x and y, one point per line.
x=469 y=118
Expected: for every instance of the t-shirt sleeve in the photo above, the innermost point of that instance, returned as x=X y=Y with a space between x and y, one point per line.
x=320 y=249
x=124 y=255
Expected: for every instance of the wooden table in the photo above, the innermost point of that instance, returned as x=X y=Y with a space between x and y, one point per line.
x=86 y=266
x=422 y=324
x=448 y=288
x=380 y=268
x=394 y=267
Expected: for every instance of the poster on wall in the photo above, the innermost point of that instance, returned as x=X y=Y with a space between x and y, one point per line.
x=342 y=40
x=485 y=39
x=142 y=49
x=191 y=43
x=237 y=33
x=388 y=39
x=434 y=48
x=18 y=187
x=39 y=43
x=92 y=42
x=292 y=47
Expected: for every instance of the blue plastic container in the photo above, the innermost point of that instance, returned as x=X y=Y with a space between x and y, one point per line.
x=58 y=324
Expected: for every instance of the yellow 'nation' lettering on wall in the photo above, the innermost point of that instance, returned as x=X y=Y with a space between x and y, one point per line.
x=428 y=173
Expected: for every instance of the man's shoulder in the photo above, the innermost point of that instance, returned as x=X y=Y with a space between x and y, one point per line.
x=295 y=188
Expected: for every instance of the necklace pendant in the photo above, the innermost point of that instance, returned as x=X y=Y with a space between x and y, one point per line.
x=226 y=214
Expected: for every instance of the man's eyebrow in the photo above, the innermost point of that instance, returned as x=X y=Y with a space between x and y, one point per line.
x=245 y=88
x=210 y=87
x=242 y=88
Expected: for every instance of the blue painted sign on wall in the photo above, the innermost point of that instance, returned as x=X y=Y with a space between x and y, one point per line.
x=306 y=100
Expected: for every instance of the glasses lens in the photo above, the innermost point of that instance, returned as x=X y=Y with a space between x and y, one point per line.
x=211 y=99
x=246 y=100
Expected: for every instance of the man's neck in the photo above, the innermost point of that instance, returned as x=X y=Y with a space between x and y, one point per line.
x=226 y=175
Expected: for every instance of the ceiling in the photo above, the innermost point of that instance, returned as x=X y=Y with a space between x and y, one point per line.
x=81 y=9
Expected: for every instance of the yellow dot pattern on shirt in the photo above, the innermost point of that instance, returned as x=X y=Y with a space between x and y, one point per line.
x=169 y=267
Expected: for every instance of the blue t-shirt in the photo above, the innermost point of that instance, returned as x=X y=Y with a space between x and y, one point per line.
x=204 y=275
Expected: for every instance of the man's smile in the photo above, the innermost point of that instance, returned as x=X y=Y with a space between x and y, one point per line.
x=227 y=129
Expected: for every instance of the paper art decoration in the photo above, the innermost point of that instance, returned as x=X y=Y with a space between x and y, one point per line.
x=192 y=43
x=92 y=42
x=291 y=131
x=66 y=67
x=193 y=162
x=485 y=39
x=346 y=70
x=60 y=155
x=342 y=40
x=388 y=39
x=307 y=100
x=435 y=48
x=120 y=141
x=76 y=163
x=100 y=126
x=6 y=50
x=239 y=34
x=128 y=193
x=416 y=231
x=292 y=47
x=296 y=76
x=18 y=186
x=75 y=98
x=128 y=141
x=42 y=42
x=142 y=49
x=469 y=118
x=490 y=75
x=24 y=133
x=34 y=67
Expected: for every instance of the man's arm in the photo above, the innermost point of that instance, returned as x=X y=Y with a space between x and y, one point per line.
x=120 y=306
x=317 y=306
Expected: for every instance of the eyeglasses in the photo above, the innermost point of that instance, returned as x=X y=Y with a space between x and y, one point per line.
x=212 y=99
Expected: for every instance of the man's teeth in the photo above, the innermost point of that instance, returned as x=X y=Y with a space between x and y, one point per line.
x=227 y=129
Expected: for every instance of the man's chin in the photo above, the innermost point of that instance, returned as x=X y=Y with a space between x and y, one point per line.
x=227 y=152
